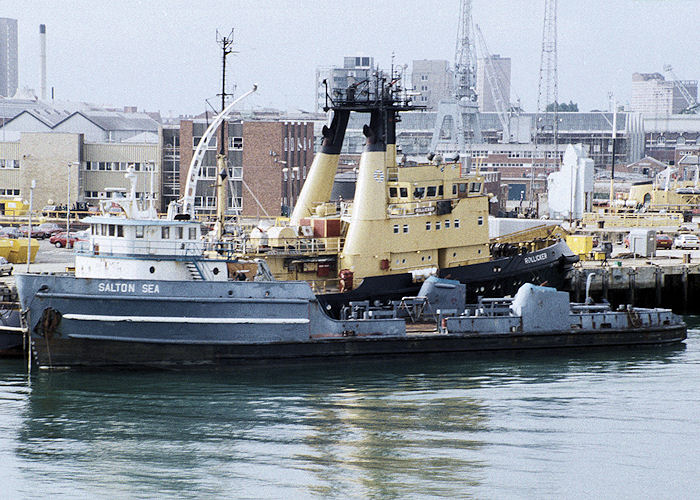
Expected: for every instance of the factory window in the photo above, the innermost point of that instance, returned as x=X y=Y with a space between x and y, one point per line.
x=396 y=229
x=447 y=223
x=456 y=223
x=165 y=232
x=139 y=231
x=405 y=228
x=427 y=226
x=424 y=77
x=424 y=87
x=403 y=192
x=235 y=143
x=432 y=190
x=480 y=220
x=392 y=192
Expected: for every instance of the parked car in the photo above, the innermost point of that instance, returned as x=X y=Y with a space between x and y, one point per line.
x=10 y=232
x=663 y=241
x=49 y=228
x=61 y=240
x=687 y=241
x=5 y=267
x=36 y=232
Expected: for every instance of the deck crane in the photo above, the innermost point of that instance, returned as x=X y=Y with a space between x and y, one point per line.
x=692 y=103
x=500 y=100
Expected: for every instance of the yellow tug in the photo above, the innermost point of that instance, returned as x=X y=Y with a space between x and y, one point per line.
x=407 y=220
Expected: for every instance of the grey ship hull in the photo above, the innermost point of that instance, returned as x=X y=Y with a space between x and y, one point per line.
x=139 y=323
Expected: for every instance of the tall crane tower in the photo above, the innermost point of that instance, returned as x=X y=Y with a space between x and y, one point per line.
x=457 y=122
x=500 y=100
x=547 y=91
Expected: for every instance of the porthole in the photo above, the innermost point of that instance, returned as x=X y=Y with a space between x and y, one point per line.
x=215 y=271
x=230 y=292
x=152 y=269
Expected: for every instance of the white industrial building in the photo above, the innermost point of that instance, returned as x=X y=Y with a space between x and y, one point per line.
x=570 y=190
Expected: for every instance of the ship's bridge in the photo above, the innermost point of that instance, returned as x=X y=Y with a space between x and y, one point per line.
x=124 y=236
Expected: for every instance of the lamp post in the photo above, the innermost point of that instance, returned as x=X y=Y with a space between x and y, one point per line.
x=68 y=211
x=29 y=231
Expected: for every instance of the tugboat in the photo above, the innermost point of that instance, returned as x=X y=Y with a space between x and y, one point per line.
x=151 y=292
x=407 y=221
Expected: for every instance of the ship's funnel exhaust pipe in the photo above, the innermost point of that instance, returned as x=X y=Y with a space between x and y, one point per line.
x=319 y=183
x=42 y=55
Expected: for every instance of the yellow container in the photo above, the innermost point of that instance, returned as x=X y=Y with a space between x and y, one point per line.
x=18 y=252
x=5 y=247
x=580 y=244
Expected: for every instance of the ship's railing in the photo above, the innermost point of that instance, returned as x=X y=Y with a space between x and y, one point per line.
x=141 y=248
x=292 y=246
x=633 y=219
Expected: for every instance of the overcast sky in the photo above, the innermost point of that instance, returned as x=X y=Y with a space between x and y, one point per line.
x=162 y=55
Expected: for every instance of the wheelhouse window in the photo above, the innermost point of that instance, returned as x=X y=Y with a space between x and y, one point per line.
x=432 y=190
x=392 y=192
x=120 y=231
x=403 y=192
x=139 y=231
x=165 y=232
x=112 y=230
x=193 y=233
x=419 y=192
x=475 y=187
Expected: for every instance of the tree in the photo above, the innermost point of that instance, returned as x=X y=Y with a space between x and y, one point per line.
x=562 y=106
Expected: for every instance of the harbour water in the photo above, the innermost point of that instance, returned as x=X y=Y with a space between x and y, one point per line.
x=620 y=424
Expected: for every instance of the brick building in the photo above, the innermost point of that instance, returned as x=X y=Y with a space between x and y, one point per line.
x=268 y=161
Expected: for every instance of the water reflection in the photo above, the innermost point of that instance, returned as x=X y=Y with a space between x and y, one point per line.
x=383 y=428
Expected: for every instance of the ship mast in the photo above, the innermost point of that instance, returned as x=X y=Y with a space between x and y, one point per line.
x=226 y=43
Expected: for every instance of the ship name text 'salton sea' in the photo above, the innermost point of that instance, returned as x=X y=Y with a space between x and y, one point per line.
x=127 y=287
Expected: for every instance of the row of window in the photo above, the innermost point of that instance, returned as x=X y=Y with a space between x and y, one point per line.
x=9 y=192
x=516 y=154
x=447 y=224
x=432 y=191
x=301 y=144
x=117 y=230
x=110 y=194
x=210 y=201
x=117 y=166
x=234 y=143
x=9 y=163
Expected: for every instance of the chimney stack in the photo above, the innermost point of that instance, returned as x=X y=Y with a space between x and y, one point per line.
x=42 y=37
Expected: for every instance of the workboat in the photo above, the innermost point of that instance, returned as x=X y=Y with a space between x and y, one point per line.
x=408 y=220
x=151 y=292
